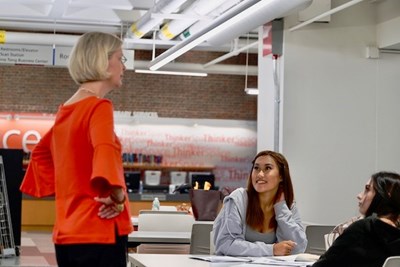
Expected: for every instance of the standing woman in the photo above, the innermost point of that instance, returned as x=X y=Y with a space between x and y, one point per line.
x=79 y=162
x=368 y=242
x=263 y=219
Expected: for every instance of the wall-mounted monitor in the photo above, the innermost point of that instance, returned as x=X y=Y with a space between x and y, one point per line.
x=202 y=178
x=190 y=174
x=132 y=181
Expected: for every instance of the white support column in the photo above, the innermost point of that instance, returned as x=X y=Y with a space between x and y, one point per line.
x=266 y=97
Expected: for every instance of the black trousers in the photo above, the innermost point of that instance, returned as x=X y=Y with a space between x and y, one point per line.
x=96 y=255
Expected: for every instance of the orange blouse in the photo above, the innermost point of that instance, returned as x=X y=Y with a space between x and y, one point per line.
x=80 y=147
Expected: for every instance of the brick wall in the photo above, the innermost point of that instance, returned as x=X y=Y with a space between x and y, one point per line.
x=42 y=89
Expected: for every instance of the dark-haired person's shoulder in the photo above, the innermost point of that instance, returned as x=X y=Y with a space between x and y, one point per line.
x=362 y=221
x=360 y=226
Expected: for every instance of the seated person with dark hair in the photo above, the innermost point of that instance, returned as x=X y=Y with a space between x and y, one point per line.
x=364 y=201
x=369 y=241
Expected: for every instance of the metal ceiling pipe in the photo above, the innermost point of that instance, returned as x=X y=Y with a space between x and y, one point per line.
x=273 y=9
x=197 y=26
x=230 y=54
x=222 y=69
x=242 y=18
x=200 y=37
x=60 y=26
x=8 y=37
x=147 y=44
x=39 y=38
x=197 y=9
x=147 y=23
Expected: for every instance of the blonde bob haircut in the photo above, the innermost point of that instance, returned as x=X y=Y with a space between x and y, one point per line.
x=89 y=57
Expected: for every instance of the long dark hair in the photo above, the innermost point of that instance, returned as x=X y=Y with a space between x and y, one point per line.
x=254 y=214
x=386 y=201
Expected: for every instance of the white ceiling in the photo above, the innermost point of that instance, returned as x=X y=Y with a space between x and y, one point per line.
x=67 y=15
x=74 y=17
x=116 y=16
x=79 y=16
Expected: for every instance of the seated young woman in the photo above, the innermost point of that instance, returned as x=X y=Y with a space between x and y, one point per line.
x=261 y=220
x=364 y=200
x=368 y=242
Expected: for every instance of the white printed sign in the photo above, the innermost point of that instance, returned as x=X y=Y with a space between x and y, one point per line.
x=61 y=56
x=45 y=55
x=26 y=55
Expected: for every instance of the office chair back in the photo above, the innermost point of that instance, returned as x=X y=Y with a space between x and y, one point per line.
x=392 y=262
x=200 y=239
x=316 y=238
x=163 y=211
x=167 y=221
x=212 y=245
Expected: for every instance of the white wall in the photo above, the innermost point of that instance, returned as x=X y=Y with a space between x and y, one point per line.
x=341 y=112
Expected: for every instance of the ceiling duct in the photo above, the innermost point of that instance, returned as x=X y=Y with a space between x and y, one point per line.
x=147 y=23
x=242 y=18
x=204 y=23
x=274 y=9
x=46 y=25
x=194 y=12
x=39 y=38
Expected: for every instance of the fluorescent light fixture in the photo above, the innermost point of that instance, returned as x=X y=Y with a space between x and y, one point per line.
x=251 y=91
x=205 y=34
x=185 y=73
x=6 y=116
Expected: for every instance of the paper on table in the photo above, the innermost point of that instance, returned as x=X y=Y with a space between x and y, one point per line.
x=220 y=258
x=277 y=262
x=299 y=260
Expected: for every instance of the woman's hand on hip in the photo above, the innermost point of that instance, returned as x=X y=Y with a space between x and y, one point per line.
x=109 y=209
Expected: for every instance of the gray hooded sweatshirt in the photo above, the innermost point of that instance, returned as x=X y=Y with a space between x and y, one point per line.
x=230 y=228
